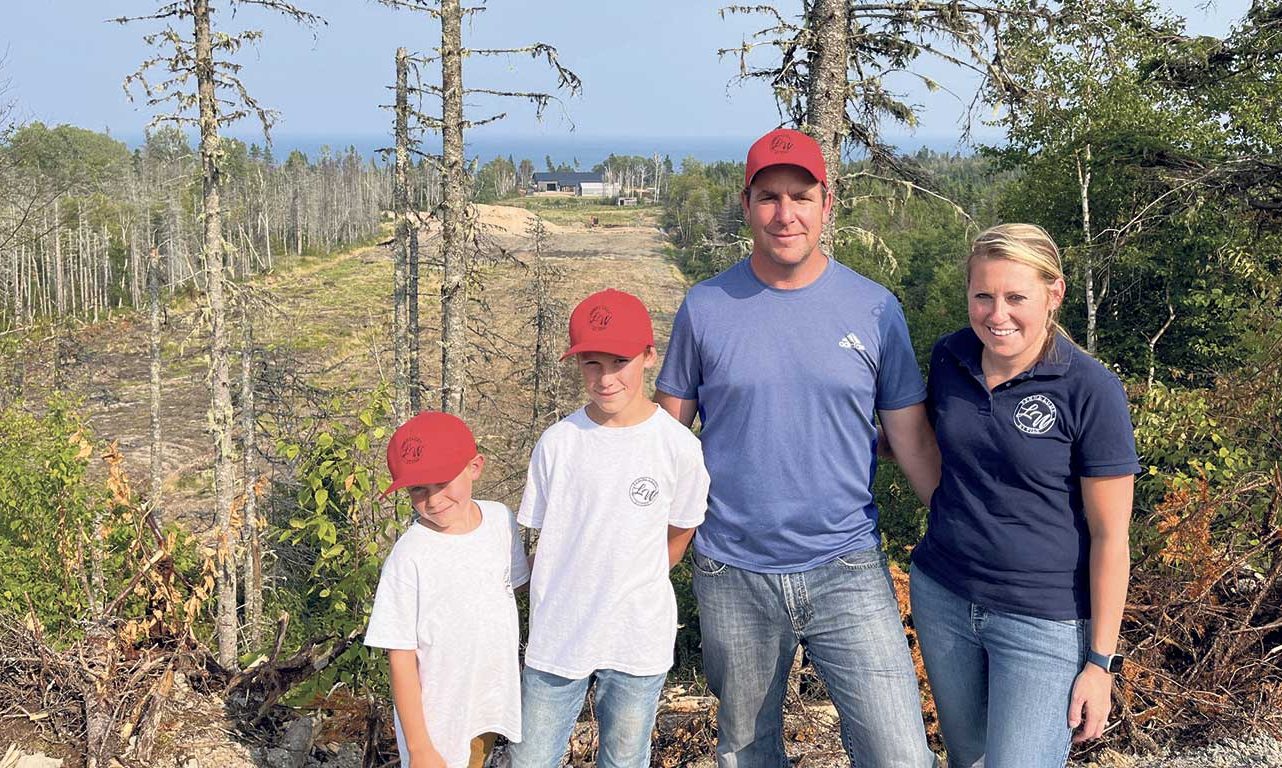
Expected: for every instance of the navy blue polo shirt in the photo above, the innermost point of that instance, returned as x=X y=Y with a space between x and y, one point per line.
x=1007 y=529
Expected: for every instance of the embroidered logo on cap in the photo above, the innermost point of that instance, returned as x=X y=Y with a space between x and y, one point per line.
x=411 y=450
x=644 y=491
x=780 y=144
x=600 y=317
x=1035 y=415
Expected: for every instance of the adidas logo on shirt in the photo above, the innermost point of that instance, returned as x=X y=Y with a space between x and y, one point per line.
x=851 y=341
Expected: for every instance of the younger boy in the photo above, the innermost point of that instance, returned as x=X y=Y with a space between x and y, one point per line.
x=616 y=489
x=444 y=607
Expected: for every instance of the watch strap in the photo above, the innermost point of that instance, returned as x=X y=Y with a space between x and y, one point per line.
x=1111 y=663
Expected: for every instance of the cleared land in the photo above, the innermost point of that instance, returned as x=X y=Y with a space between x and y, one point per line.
x=324 y=324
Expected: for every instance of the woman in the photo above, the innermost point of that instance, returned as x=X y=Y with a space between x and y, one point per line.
x=1018 y=586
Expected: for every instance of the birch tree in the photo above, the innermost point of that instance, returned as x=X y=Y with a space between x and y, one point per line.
x=1078 y=84
x=199 y=53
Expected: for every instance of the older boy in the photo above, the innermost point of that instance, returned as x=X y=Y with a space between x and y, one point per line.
x=616 y=489
x=444 y=607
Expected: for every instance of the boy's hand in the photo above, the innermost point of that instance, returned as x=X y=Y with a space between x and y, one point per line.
x=426 y=758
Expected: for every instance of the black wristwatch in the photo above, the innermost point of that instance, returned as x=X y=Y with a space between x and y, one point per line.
x=1110 y=664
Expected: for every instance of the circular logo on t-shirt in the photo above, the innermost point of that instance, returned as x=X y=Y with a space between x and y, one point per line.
x=644 y=491
x=411 y=450
x=1035 y=415
x=600 y=317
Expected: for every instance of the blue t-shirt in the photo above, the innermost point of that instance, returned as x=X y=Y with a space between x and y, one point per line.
x=1007 y=528
x=787 y=383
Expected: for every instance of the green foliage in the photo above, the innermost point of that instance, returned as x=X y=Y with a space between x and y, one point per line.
x=69 y=157
x=1182 y=441
x=496 y=180
x=688 y=655
x=71 y=534
x=48 y=511
x=702 y=214
x=336 y=533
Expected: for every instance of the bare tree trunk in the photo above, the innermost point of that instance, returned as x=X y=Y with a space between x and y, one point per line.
x=59 y=268
x=401 y=383
x=411 y=308
x=1088 y=259
x=253 y=564
x=156 y=485
x=453 y=211
x=219 y=353
x=828 y=89
x=549 y=324
x=1152 y=340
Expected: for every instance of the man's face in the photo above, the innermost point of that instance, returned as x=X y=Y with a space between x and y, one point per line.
x=786 y=209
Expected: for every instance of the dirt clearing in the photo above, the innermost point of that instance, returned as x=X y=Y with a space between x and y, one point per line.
x=327 y=327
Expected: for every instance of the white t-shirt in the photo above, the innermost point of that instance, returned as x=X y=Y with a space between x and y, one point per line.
x=603 y=498
x=449 y=598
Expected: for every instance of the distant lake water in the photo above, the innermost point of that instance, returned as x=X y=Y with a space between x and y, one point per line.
x=564 y=148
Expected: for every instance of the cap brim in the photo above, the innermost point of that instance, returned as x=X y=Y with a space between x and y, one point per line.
x=609 y=347
x=794 y=165
x=437 y=475
x=395 y=486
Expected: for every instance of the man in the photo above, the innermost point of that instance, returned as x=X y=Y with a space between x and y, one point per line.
x=785 y=357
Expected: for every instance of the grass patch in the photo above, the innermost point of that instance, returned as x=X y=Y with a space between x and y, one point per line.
x=580 y=210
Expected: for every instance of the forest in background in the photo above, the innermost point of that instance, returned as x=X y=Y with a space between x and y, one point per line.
x=1154 y=159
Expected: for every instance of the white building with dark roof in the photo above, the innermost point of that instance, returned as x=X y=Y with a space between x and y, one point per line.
x=583 y=184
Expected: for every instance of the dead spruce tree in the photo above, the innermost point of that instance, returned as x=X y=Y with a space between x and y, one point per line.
x=199 y=53
x=405 y=337
x=455 y=211
x=832 y=75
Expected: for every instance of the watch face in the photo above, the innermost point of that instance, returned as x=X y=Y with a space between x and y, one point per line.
x=1115 y=663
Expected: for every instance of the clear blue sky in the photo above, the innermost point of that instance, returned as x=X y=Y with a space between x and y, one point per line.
x=649 y=68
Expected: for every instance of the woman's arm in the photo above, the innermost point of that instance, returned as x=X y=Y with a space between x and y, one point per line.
x=1107 y=502
x=407 y=694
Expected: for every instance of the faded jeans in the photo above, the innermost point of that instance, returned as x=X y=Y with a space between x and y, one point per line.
x=550 y=705
x=845 y=615
x=1001 y=681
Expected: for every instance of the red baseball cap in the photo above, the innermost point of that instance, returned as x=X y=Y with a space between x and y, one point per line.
x=784 y=146
x=432 y=447
x=610 y=321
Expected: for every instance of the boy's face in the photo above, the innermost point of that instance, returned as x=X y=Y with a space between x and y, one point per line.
x=447 y=507
x=615 y=384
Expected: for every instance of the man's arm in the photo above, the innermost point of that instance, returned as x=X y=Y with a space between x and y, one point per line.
x=683 y=411
x=407 y=694
x=678 y=540
x=911 y=440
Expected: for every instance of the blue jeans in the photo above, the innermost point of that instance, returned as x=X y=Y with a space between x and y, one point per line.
x=1001 y=681
x=845 y=615
x=550 y=705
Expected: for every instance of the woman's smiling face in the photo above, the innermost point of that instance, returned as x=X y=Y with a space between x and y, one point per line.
x=1010 y=308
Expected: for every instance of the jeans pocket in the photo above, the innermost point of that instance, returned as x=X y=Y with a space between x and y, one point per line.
x=706 y=566
x=863 y=560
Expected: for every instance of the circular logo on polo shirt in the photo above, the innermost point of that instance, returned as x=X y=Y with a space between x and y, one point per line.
x=411 y=450
x=600 y=317
x=644 y=491
x=1035 y=415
